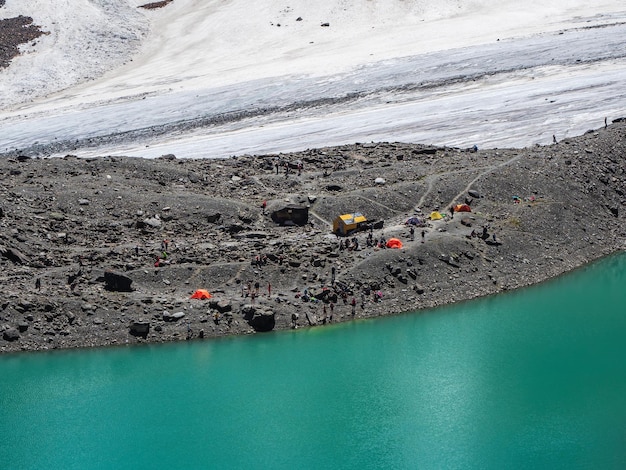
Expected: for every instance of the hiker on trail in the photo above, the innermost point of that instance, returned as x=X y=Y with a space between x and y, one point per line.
x=333 y=271
x=136 y=250
x=276 y=164
x=554 y=139
x=452 y=212
x=353 y=303
x=38 y=283
x=299 y=168
x=423 y=235
x=264 y=206
x=157 y=263
x=269 y=289
x=412 y=232
x=605 y=123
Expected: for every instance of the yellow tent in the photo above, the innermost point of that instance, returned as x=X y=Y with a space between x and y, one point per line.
x=347 y=223
x=434 y=215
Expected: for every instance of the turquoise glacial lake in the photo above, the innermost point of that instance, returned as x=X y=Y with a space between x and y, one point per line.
x=529 y=379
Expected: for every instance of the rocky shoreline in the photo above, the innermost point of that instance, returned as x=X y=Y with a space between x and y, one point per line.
x=80 y=238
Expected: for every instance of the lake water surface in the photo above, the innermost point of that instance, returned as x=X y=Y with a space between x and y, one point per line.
x=529 y=379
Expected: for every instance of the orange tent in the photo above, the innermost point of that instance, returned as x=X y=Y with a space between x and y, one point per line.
x=201 y=294
x=394 y=243
x=462 y=208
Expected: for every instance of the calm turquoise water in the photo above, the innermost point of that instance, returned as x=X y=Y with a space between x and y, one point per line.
x=530 y=379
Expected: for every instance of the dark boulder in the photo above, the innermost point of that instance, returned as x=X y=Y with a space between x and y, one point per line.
x=259 y=319
x=11 y=334
x=140 y=328
x=221 y=305
x=117 y=282
x=13 y=254
x=213 y=218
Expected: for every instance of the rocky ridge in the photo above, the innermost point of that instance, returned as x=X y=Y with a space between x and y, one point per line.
x=79 y=238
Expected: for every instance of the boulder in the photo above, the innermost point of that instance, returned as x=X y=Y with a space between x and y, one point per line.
x=117 y=282
x=221 y=305
x=473 y=193
x=13 y=254
x=167 y=316
x=11 y=334
x=213 y=218
x=152 y=222
x=140 y=328
x=259 y=319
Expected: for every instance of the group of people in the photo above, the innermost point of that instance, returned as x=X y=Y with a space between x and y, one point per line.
x=278 y=163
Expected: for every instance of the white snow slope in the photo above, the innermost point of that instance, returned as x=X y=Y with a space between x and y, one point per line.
x=209 y=78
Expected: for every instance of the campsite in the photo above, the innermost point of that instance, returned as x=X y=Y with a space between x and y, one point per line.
x=80 y=238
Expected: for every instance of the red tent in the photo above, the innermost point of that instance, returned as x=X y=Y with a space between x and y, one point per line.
x=394 y=243
x=201 y=294
x=462 y=208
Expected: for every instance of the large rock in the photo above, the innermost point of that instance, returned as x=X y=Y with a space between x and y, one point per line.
x=221 y=305
x=117 y=282
x=13 y=254
x=259 y=319
x=172 y=316
x=140 y=328
x=11 y=334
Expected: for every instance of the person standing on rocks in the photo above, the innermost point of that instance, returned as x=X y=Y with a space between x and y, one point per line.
x=269 y=289
x=38 y=283
x=412 y=232
x=353 y=303
x=264 y=206
x=423 y=235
